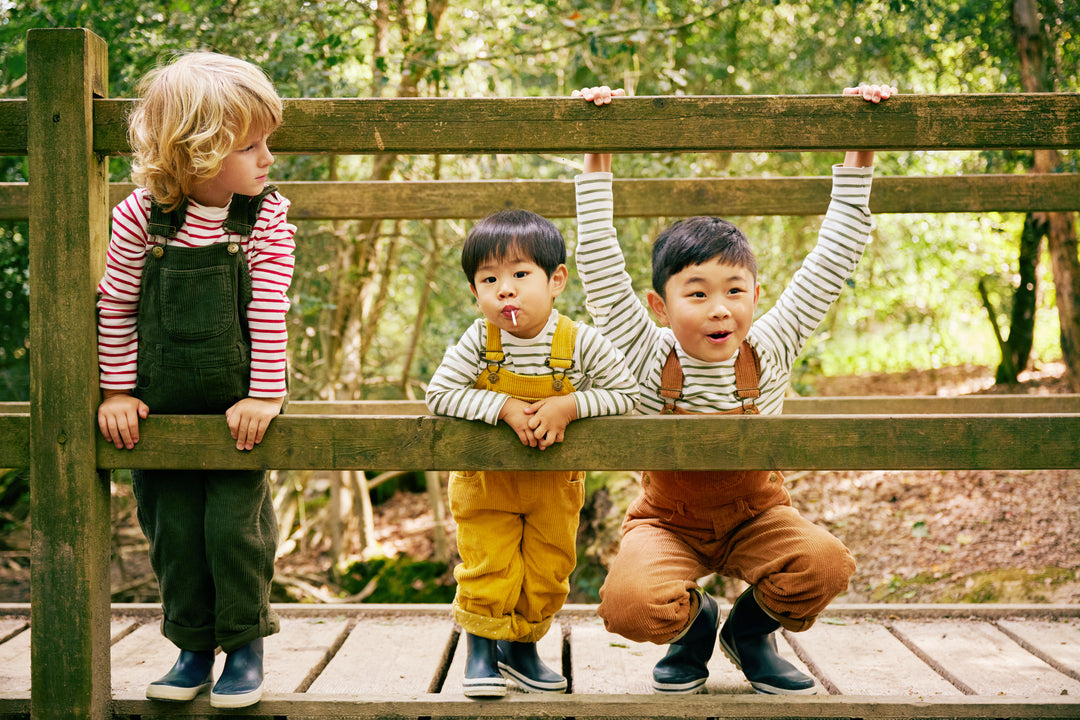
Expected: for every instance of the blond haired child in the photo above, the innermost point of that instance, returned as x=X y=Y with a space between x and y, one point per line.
x=191 y=319
x=707 y=354
x=524 y=364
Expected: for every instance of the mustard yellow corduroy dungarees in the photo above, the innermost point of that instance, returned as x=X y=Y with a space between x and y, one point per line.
x=516 y=531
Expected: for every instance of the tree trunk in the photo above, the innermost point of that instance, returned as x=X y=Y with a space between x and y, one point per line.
x=1016 y=350
x=1061 y=227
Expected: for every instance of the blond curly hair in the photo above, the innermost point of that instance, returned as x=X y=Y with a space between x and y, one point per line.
x=190 y=114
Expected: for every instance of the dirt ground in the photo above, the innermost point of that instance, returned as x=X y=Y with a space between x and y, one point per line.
x=958 y=536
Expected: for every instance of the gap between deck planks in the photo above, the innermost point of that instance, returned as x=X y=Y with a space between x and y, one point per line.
x=967 y=661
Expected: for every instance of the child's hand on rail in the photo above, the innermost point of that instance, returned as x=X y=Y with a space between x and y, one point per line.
x=513 y=413
x=872 y=93
x=869 y=93
x=549 y=418
x=118 y=417
x=598 y=162
x=249 y=419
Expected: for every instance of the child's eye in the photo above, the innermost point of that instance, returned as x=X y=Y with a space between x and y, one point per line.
x=521 y=273
x=487 y=280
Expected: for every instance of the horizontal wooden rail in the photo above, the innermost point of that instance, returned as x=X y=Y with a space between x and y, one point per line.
x=641 y=124
x=660 y=197
x=750 y=707
x=868 y=433
x=648 y=706
x=836 y=442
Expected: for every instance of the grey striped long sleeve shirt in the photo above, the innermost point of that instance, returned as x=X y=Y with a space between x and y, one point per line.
x=602 y=383
x=778 y=336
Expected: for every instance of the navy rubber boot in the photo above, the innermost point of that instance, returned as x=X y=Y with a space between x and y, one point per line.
x=482 y=676
x=241 y=682
x=685 y=667
x=747 y=639
x=520 y=662
x=192 y=673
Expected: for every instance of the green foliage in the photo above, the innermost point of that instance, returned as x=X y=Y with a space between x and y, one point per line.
x=399 y=580
x=14 y=506
x=14 y=312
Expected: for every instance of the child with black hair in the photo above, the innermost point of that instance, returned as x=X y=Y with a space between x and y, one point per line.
x=524 y=364
x=709 y=355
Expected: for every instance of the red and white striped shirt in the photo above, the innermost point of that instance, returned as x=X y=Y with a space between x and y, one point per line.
x=269 y=254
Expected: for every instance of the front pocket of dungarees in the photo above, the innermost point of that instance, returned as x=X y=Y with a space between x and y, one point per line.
x=196 y=304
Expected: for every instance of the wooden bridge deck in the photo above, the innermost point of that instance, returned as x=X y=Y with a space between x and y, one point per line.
x=870 y=661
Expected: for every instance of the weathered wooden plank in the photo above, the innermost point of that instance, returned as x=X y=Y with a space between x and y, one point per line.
x=625 y=706
x=12 y=626
x=932 y=405
x=861 y=657
x=294 y=656
x=391 y=654
x=15 y=428
x=13 y=127
x=983 y=659
x=1056 y=643
x=15 y=664
x=659 y=197
x=837 y=442
x=69 y=501
x=550 y=649
x=656 y=124
x=603 y=662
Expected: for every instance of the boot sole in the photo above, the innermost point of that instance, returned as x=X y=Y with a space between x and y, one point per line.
x=760 y=687
x=530 y=685
x=239 y=700
x=689 y=688
x=175 y=693
x=484 y=687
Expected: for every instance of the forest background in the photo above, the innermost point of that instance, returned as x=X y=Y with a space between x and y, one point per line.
x=375 y=303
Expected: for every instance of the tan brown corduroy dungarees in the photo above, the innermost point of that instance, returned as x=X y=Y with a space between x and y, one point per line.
x=685 y=525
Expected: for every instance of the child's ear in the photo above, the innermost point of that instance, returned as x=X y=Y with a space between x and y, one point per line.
x=659 y=307
x=757 y=293
x=558 y=280
x=472 y=289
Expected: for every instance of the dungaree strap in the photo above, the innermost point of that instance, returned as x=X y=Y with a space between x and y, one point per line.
x=747 y=376
x=562 y=345
x=243 y=212
x=671 y=381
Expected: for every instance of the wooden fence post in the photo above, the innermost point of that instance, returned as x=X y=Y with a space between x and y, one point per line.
x=69 y=499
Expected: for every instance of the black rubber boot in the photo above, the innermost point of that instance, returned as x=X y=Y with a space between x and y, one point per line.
x=685 y=667
x=241 y=681
x=747 y=639
x=482 y=676
x=519 y=661
x=192 y=673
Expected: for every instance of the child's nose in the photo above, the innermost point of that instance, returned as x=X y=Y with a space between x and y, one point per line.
x=720 y=310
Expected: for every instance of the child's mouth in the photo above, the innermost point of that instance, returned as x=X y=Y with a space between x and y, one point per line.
x=719 y=335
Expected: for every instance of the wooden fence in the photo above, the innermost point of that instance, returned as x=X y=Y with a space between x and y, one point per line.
x=68 y=127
